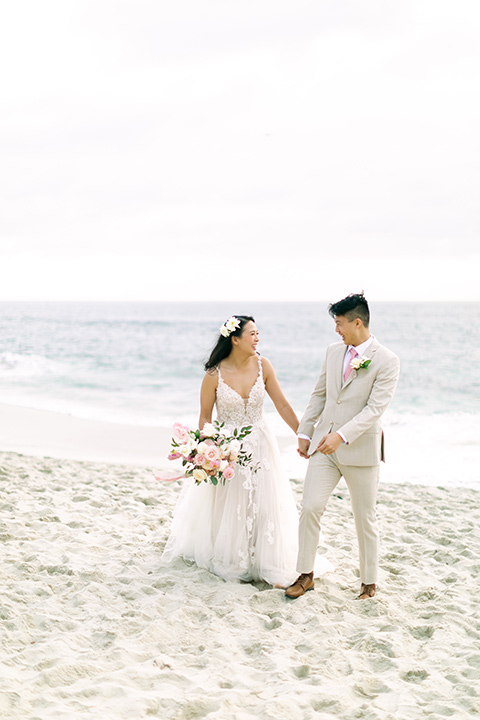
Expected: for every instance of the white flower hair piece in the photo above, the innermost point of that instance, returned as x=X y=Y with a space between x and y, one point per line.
x=230 y=326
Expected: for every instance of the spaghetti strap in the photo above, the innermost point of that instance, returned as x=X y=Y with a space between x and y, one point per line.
x=260 y=366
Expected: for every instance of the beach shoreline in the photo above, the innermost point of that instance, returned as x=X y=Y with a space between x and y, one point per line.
x=43 y=433
x=96 y=626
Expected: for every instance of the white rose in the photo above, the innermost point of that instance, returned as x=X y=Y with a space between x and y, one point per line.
x=223 y=465
x=209 y=430
x=184 y=450
x=199 y=475
x=202 y=448
x=359 y=362
x=235 y=446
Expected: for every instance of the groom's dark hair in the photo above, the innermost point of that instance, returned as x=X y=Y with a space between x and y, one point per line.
x=351 y=307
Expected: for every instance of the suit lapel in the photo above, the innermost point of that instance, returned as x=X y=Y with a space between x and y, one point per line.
x=339 y=367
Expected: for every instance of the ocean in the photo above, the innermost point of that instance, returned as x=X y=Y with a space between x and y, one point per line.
x=141 y=364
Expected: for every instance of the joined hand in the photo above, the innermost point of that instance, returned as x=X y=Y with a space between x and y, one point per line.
x=303 y=446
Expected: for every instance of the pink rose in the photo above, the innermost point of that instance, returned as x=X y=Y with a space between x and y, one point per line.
x=174 y=456
x=200 y=460
x=180 y=431
x=212 y=453
x=228 y=473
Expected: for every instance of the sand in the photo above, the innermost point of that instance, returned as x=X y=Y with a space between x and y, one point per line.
x=93 y=626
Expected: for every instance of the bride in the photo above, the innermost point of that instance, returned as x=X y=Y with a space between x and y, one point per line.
x=247 y=528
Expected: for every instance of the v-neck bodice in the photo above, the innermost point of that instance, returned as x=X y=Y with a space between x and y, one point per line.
x=236 y=411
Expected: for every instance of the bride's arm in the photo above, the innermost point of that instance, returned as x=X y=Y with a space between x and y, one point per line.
x=272 y=386
x=207 y=397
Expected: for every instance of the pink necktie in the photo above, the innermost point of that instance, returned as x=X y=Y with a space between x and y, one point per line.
x=352 y=353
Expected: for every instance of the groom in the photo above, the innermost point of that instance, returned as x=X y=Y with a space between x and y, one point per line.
x=341 y=435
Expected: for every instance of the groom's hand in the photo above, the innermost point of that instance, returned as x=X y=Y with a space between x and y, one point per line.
x=329 y=443
x=303 y=446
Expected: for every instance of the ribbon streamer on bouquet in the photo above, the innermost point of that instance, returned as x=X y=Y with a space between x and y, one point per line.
x=165 y=478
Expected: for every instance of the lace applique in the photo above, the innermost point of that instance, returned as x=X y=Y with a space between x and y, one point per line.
x=236 y=411
x=243 y=560
x=269 y=532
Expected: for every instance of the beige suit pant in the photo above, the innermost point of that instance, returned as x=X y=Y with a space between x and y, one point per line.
x=323 y=475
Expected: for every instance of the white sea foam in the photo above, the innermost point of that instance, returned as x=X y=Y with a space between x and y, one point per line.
x=441 y=449
x=437 y=450
x=16 y=365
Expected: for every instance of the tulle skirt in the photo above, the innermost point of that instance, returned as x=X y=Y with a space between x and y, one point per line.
x=245 y=530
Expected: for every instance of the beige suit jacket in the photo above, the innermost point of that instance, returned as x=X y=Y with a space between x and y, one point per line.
x=355 y=407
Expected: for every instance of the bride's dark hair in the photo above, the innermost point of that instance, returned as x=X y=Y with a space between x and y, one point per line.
x=223 y=346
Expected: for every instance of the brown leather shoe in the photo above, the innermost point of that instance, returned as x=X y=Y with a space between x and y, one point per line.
x=303 y=583
x=367 y=591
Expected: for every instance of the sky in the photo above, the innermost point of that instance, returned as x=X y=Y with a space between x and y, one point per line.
x=253 y=149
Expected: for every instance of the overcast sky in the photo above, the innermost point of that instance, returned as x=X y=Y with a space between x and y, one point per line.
x=256 y=149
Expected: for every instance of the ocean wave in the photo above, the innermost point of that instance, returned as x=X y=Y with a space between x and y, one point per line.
x=439 y=449
x=16 y=365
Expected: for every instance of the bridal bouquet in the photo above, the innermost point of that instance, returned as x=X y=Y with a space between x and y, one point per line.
x=209 y=455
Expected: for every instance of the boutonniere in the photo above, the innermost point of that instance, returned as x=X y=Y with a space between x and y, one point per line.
x=360 y=362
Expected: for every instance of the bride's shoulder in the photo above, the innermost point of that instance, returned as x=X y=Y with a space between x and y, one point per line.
x=210 y=378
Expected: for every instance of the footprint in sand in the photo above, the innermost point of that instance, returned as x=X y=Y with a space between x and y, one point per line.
x=423 y=632
x=273 y=624
x=371 y=687
x=414 y=676
x=426 y=596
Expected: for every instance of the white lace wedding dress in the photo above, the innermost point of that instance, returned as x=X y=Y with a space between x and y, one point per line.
x=246 y=529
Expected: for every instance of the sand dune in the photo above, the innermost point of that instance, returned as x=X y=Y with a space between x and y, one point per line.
x=93 y=626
